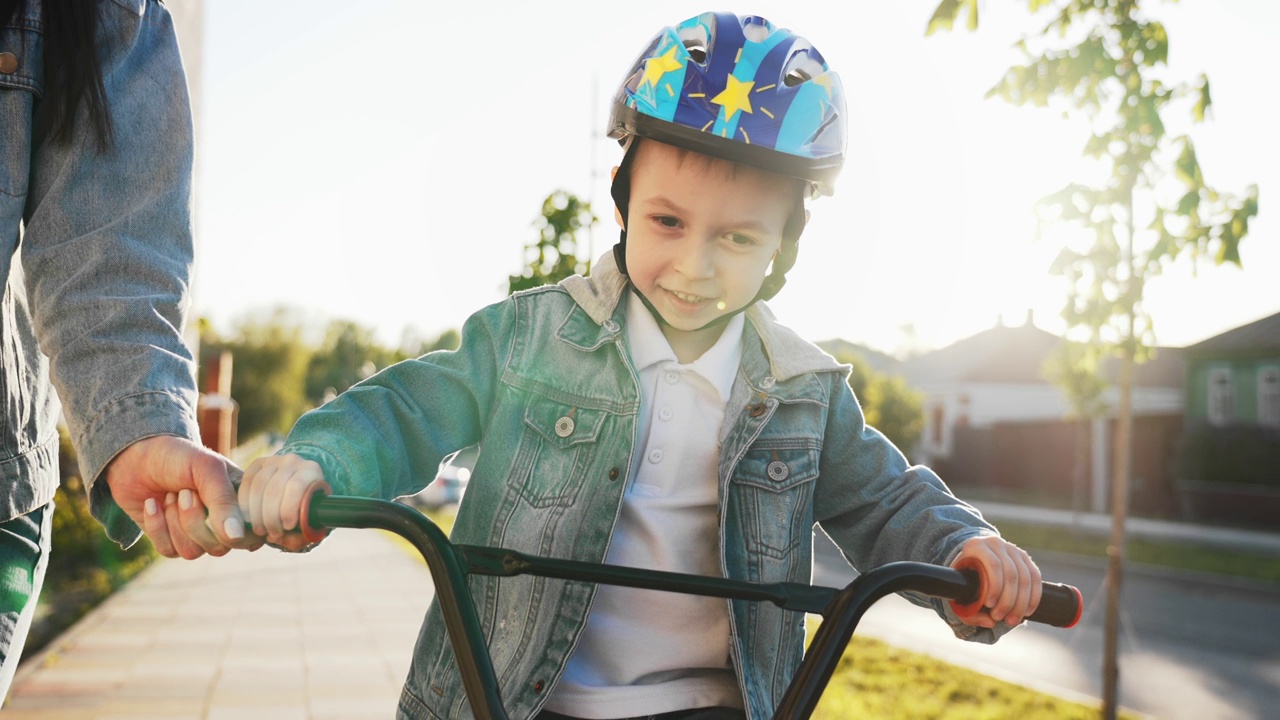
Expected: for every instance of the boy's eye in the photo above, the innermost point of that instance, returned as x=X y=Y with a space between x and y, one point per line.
x=667 y=221
x=742 y=240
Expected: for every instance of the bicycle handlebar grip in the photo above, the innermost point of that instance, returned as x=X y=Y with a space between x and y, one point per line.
x=1060 y=605
x=309 y=533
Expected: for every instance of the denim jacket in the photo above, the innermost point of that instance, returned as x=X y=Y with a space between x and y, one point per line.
x=793 y=451
x=95 y=257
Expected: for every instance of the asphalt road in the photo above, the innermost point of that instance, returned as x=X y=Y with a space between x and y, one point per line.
x=1188 y=648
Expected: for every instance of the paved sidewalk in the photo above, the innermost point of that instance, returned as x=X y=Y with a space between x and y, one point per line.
x=264 y=635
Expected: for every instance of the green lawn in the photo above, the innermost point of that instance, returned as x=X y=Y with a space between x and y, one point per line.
x=876 y=680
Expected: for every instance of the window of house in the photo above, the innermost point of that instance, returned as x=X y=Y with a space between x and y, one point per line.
x=938 y=416
x=1269 y=396
x=1221 y=396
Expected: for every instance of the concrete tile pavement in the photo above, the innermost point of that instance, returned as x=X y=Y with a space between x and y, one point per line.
x=318 y=636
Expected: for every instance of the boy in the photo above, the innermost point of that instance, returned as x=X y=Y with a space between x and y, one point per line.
x=655 y=414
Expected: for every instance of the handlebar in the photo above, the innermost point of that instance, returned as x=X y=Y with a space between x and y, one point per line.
x=450 y=563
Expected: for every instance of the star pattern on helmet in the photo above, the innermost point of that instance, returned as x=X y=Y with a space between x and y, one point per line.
x=659 y=65
x=735 y=96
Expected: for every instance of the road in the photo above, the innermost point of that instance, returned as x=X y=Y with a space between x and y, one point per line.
x=1189 y=649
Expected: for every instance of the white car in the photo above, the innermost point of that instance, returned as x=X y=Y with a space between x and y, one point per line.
x=450 y=481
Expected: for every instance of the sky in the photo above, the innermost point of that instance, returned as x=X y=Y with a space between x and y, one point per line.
x=383 y=161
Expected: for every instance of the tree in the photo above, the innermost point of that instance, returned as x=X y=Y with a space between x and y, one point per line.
x=553 y=256
x=888 y=404
x=1100 y=59
x=269 y=379
x=350 y=353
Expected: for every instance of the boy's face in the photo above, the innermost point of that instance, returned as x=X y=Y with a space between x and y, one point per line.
x=700 y=236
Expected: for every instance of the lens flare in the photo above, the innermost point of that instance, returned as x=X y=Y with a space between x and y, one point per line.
x=720 y=305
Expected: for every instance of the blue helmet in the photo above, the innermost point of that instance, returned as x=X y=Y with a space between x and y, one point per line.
x=739 y=89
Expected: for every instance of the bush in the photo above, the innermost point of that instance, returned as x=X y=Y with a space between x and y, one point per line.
x=85 y=566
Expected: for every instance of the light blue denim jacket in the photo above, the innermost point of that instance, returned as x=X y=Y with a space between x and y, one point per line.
x=559 y=351
x=95 y=255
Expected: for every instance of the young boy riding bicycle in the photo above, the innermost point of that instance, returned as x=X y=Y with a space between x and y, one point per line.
x=655 y=414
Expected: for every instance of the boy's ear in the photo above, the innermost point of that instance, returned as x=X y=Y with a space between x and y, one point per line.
x=617 y=214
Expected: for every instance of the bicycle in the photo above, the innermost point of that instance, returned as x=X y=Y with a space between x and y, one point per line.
x=841 y=609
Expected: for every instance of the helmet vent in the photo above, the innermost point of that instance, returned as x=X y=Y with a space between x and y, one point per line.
x=696 y=43
x=802 y=67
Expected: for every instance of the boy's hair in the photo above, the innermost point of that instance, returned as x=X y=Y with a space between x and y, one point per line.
x=698 y=85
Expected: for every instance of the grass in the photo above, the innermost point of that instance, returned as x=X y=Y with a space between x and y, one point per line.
x=1181 y=556
x=877 y=680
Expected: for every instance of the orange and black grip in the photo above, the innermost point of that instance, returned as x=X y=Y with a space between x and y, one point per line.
x=1060 y=605
x=309 y=533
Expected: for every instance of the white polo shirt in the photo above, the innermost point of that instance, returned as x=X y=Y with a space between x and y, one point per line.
x=644 y=651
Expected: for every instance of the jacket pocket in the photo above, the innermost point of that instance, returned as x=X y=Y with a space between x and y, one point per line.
x=21 y=83
x=555 y=449
x=776 y=486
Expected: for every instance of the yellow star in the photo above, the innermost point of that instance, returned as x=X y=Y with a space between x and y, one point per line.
x=735 y=97
x=659 y=65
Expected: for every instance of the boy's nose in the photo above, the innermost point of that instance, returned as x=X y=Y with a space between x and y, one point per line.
x=698 y=259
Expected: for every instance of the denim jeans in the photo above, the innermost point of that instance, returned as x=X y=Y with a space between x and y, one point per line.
x=24 y=556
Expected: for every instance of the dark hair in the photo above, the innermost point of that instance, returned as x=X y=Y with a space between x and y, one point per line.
x=72 y=70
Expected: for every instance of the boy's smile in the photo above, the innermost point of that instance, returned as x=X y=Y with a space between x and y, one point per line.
x=701 y=234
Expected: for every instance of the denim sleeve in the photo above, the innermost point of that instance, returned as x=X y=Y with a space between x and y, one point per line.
x=879 y=509
x=385 y=436
x=107 y=252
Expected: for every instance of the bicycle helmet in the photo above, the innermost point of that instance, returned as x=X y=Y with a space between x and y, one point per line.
x=738 y=89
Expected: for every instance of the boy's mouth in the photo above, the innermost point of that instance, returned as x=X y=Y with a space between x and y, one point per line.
x=688 y=298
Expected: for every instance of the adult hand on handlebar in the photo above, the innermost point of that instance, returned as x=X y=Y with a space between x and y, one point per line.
x=180 y=495
x=1011 y=582
x=273 y=494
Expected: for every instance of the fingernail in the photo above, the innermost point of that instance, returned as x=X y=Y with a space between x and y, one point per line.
x=150 y=506
x=234 y=528
x=184 y=499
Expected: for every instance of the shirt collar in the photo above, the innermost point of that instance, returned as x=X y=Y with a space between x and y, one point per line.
x=718 y=365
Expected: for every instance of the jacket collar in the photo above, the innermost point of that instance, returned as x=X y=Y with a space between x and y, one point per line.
x=599 y=315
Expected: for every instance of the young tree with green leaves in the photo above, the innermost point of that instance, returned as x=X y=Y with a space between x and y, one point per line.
x=553 y=256
x=1102 y=60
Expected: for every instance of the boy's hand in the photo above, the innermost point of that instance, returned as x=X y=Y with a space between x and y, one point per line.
x=271 y=497
x=1013 y=581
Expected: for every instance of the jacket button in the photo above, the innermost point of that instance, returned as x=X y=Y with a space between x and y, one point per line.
x=8 y=63
x=777 y=470
x=564 y=426
x=613 y=473
x=755 y=409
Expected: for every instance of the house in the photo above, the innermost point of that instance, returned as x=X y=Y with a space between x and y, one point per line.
x=1235 y=377
x=1229 y=464
x=995 y=424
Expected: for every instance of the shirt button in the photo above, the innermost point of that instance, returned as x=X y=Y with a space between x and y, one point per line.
x=8 y=63
x=665 y=413
x=767 y=383
x=655 y=456
x=672 y=377
x=610 y=326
